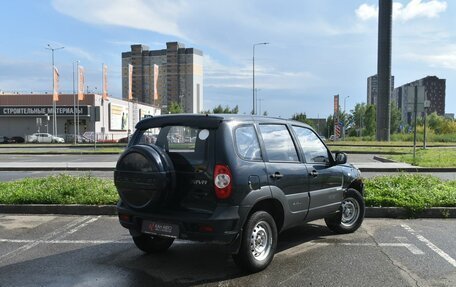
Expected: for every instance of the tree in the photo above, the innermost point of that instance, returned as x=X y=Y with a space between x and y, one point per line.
x=370 y=120
x=220 y=110
x=175 y=108
x=395 y=118
x=302 y=118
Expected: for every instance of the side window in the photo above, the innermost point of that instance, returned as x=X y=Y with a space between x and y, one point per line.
x=314 y=150
x=247 y=143
x=278 y=143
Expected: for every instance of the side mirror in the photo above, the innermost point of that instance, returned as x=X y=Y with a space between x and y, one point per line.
x=341 y=158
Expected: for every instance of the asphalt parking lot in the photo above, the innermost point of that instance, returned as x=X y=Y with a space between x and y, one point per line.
x=52 y=250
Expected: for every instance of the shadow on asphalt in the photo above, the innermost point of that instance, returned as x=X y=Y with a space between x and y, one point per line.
x=123 y=264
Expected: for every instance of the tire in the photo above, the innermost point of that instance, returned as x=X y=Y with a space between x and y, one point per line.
x=256 y=255
x=152 y=244
x=351 y=216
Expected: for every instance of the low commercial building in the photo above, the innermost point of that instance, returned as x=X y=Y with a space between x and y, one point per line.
x=24 y=114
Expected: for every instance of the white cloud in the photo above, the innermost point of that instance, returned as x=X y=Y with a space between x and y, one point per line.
x=445 y=58
x=218 y=75
x=413 y=9
x=158 y=16
x=366 y=12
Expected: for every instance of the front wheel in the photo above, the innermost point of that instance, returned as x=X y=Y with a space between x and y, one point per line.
x=351 y=215
x=258 y=243
x=152 y=244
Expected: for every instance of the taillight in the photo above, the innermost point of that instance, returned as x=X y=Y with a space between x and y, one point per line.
x=222 y=181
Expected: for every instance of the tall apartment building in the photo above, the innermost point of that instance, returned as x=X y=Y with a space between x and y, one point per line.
x=372 y=89
x=434 y=92
x=178 y=72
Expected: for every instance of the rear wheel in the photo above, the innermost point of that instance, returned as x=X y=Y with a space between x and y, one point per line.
x=351 y=215
x=152 y=244
x=258 y=243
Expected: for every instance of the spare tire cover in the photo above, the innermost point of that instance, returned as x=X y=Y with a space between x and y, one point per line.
x=145 y=176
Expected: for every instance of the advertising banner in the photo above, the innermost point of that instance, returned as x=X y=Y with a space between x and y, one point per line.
x=130 y=82
x=105 y=82
x=80 y=83
x=55 y=96
x=118 y=117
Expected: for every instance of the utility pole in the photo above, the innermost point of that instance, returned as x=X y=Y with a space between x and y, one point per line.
x=54 y=104
x=415 y=111
x=253 y=78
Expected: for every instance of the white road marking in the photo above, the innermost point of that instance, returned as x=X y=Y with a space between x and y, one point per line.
x=56 y=241
x=305 y=246
x=412 y=247
x=431 y=245
x=45 y=237
x=83 y=225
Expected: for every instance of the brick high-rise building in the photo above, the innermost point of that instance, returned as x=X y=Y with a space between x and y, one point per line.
x=179 y=79
x=434 y=92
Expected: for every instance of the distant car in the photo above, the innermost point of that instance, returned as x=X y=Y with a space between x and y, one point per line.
x=333 y=138
x=16 y=139
x=80 y=139
x=44 y=138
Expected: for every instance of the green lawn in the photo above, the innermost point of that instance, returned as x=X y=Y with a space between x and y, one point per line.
x=412 y=191
x=435 y=157
x=61 y=189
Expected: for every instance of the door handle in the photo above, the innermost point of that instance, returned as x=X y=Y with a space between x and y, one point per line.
x=313 y=173
x=277 y=175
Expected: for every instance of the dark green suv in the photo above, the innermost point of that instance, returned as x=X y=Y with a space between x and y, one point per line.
x=234 y=180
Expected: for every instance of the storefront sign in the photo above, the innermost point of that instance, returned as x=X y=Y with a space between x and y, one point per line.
x=33 y=111
x=118 y=117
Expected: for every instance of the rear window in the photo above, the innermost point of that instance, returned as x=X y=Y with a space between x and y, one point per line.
x=186 y=146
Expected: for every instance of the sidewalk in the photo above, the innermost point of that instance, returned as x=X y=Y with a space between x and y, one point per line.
x=110 y=166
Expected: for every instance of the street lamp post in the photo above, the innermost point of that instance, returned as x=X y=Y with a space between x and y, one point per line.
x=74 y=106
x=54 y=105
x=253 y=78
x=345 y=120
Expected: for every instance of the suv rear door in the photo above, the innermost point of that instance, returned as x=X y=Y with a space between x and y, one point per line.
x=325 y=179
x=286 y=171
x=193 y=163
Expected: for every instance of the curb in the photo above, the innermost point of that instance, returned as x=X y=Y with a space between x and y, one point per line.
x=400 y=212
x=69 y=209
x=75 y=209
x=408 y=169
x=88 y=168
x=383 y=159
x=57 y=153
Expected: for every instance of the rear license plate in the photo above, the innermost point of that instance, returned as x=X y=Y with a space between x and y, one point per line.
x=160 y=228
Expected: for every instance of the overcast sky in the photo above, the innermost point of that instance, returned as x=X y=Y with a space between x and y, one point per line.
x=317 y=48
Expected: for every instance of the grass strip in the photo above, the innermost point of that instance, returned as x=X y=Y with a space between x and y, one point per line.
x=415 y=192
x=442 y=157
x=59 y=189
x=412 y=191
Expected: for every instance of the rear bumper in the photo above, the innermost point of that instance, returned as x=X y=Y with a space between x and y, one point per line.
x=222 y=226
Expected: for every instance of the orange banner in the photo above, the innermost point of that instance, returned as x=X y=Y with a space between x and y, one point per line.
x=130 y=81
x=105 y=82
x=155 y=82
x=80 y=83
x=55 y=96
x=336 y=105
